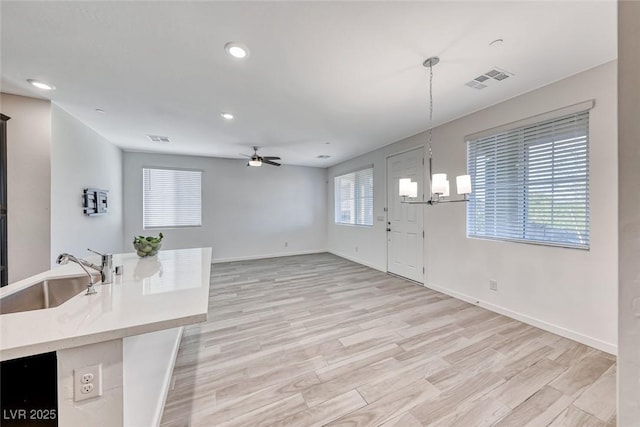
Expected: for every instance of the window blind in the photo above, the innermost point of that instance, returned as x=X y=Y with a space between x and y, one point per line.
x=171 y=198
x=531 y=183
x=354 y=198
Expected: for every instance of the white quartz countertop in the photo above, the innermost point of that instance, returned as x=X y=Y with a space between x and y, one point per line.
x=162 y=292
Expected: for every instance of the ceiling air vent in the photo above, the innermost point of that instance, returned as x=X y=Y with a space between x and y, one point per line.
x=474 y=84
x=158 y=138
x=484 y=80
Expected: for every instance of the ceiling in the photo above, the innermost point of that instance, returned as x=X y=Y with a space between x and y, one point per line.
x=322 y=78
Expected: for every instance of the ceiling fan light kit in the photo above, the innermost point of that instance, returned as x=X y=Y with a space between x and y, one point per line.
x=256 y=160
x=438 y=183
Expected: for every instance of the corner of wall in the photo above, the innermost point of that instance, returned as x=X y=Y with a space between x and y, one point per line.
x=73 y=143
x=28 y=184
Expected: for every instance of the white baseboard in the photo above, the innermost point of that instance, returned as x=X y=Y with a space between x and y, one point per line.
x=276 y=255
x=550 y=327
x=359 y=261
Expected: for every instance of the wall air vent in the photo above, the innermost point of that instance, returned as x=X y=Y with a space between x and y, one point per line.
x=494 y=75
x=158 y=138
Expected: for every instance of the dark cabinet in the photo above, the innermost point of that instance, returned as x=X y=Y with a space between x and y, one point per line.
x=4 y=274
x=29 y=391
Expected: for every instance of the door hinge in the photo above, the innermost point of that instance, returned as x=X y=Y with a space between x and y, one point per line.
x=422 y=270
x=423 y=234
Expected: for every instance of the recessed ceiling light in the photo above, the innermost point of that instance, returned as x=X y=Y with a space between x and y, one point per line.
x=327 y=143
x=41 y=85
x=237 y=50
x=226 y=116
x=323 y=156
x=100 y=110
x=496 y=42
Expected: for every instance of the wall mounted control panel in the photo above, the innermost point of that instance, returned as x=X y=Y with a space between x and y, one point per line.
x=95 y=202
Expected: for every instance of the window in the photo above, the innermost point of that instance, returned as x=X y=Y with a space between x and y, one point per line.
x=531 y=184
x=354 y=197
x=171 y=198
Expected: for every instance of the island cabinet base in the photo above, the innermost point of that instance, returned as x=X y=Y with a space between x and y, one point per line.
x=105 y=410
x=148 y=366
x=135 y=373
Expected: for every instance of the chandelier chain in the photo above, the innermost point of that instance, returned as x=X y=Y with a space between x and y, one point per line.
x=438 y=194
x=430 y=107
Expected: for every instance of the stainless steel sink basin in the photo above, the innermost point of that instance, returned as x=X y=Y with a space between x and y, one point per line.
x=46 y=294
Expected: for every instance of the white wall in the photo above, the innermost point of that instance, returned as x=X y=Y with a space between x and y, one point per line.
x=246 y=212
x=80 y=158
x=629 y=178
x=568 y=291
x=28 y=184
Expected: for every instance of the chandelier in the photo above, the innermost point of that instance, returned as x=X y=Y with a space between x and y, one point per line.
x=438 y=182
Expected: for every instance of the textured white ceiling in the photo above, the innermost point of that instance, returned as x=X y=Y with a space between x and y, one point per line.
x=348 y=73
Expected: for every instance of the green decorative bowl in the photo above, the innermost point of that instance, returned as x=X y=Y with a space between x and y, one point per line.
x=147 y=246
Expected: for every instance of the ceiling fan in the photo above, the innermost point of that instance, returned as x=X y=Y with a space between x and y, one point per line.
x=256 y=160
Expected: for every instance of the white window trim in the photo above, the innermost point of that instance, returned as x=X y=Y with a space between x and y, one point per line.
x=539 y=119
x=335 y=198
x=543 y=117
x=173 y=168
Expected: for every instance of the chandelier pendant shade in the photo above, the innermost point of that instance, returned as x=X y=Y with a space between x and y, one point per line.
x=439 y=188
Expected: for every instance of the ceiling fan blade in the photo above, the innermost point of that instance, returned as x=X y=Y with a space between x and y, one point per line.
x=271 y=158
x=245 y=155
x=269 y=162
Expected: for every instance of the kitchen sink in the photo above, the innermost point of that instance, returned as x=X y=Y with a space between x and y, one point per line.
x=45 y=294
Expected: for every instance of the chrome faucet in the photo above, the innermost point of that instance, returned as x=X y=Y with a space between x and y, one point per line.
x=65 y=258
x=106 y=270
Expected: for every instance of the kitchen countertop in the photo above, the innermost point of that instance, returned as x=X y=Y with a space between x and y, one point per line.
x=162 y=292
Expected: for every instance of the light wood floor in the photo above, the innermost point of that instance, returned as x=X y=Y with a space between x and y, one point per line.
x=317 y=340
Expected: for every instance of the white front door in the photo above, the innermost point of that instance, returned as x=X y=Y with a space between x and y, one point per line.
x=405 y=231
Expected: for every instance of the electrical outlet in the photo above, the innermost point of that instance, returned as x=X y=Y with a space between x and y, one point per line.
x=87 y=378
x=493 y=285
x=87 y=382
